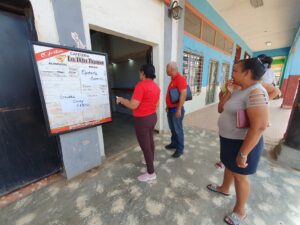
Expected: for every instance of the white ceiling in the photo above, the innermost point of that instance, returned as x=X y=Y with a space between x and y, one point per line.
x=276 y=21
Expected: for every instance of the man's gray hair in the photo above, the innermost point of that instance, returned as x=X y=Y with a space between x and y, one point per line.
x=173 y=66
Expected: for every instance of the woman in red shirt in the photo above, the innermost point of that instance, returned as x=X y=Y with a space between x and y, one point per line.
x=144 y=103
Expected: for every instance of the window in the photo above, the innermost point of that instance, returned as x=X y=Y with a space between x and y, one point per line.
x=225 y=73
x=228 y=46
x=220 y=41
x=192 y=70
x=212 y=81
x=192 y=23
x=209 y=34
x=198 y=26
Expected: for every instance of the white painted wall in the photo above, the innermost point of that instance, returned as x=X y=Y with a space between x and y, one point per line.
x=140 y=21
x=44 y=21
x=198 y=101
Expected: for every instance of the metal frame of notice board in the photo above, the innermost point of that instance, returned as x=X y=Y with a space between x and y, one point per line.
x=63 y=49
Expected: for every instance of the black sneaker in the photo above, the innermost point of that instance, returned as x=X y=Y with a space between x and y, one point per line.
x=176 y=154
x=170 y=146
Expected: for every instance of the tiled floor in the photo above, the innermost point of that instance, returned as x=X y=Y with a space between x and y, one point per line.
x=111 y=195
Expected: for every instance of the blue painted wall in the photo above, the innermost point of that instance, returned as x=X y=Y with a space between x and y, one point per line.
x=293 y=65
x=274 y=52
x=192 y=45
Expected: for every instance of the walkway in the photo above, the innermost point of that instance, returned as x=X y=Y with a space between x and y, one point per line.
x=111 y=195
x=207 y=118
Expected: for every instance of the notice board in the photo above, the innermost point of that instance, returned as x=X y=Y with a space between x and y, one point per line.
x=73 y=87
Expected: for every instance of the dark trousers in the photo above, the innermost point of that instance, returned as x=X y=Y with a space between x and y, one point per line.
x=144 y=129
x=175 y=124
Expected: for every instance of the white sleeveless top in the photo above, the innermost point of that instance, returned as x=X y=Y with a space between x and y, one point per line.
x=240 y=99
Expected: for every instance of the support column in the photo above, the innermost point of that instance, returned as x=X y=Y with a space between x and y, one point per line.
x=81 y=150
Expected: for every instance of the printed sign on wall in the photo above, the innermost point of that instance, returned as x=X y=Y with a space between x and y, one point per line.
x=73 y=85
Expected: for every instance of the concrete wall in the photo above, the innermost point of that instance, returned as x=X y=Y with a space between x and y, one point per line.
x=208 y=53
x=205 y=8
x=293 y=65
x=45 y=21
x=140 y=21
x=274 y=52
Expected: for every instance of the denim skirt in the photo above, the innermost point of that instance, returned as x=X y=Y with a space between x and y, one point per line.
x=229 y=151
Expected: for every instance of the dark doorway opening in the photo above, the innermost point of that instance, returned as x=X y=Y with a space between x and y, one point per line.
x=125 y=59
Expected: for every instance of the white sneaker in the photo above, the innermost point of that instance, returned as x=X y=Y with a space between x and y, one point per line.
x=147 y=177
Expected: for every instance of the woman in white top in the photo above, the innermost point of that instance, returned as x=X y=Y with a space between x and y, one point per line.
x=268 y=79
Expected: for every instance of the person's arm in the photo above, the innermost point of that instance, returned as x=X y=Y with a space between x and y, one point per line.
x=258 y=114
x=225 y=95
x=223 y=99
x=136 y=98
x=273 y=92
x=182 y=99
x=130 y=104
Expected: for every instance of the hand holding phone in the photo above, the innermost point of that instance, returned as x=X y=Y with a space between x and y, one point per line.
x=118 y=99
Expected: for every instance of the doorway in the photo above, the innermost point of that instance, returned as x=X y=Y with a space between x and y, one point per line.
x=212 y=82
x=277 y=67
x=125 y=58
x=27 y=153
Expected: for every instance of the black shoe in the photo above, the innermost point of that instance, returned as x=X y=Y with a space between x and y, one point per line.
x=176 y=154
x=170 y=146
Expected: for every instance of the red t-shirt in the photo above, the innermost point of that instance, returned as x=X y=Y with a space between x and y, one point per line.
x=147 y=93
x=178 y=82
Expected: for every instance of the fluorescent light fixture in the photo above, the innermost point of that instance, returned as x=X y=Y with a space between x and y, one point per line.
x=256 y=3
x=268 y=43
x=130 y=60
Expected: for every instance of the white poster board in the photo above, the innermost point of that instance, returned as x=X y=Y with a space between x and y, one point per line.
x=73 y=86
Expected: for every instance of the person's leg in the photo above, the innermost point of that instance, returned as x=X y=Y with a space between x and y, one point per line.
x=227 y=181
x=171 y=126
x=242 y=189
x=178 y=129
x=142 y=130
x=152 y=135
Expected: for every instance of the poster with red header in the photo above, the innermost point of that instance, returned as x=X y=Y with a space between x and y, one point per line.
x=73 y=86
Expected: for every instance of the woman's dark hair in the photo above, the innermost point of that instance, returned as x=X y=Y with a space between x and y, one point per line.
x=266 y=60
x=149 y=71
x=255 y=65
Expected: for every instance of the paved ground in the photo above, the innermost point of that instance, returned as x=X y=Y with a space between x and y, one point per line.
x=207 y=118
x=111 y=195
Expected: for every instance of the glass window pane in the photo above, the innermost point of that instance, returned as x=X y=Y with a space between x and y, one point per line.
x=228 y=46
x=209 y=34
x=192 y=70
x=225 y=73
x=192 y=24
x=220 y=41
